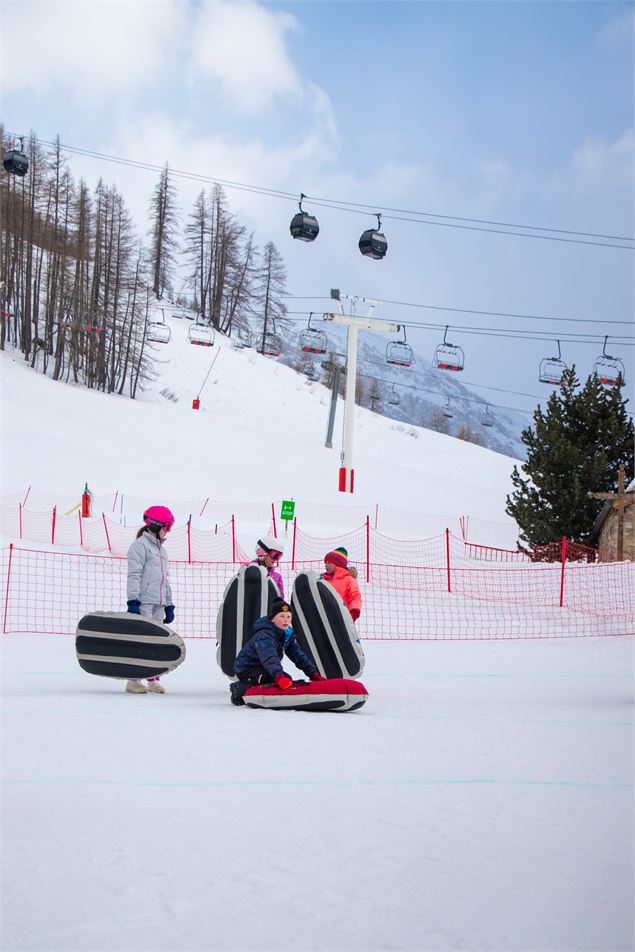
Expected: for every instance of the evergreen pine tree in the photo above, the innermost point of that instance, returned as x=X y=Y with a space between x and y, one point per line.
x=574 y=449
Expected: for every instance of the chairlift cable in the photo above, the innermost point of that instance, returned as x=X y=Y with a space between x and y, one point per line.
x=451 y=221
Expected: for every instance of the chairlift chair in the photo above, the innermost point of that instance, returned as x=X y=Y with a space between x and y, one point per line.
x=313 y=341
x=398 y=352
x=448 y=356
x=487 y=419
x=15 y=161
x=552 y=369
x=271 y=346
x=608 y=370
x=158 y=333
x=303 y=226
x=372 y=242
x=393 y=397
x=201 y=335
x=447 y=409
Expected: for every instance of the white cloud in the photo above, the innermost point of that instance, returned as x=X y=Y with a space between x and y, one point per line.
x=619 y=30
x=242 y=45
x=95 y=47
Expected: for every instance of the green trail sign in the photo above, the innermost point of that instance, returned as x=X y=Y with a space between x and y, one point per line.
x=288 y=510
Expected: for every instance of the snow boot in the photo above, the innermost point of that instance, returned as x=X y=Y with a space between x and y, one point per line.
x=155 y=687
x=236 y=691
x=136 y=687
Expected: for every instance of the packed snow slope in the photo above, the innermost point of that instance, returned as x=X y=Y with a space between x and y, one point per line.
x=259 y=435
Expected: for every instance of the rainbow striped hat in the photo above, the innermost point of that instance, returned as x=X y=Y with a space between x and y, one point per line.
x=339 y=556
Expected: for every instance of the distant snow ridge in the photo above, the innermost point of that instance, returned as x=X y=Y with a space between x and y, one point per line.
x=419 y=395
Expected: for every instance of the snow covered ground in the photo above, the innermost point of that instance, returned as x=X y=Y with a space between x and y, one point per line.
x=481 y=800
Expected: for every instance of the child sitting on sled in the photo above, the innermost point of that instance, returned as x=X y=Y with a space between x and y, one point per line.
x=259 y=661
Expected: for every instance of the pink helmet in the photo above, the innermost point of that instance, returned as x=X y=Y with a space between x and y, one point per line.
x=158 y=516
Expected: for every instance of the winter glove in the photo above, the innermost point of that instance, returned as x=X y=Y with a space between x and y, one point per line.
x=283 y=681
x=316 y=676
x=134 y=606
x=354 y=613
x=289 y=631
x=169 y=614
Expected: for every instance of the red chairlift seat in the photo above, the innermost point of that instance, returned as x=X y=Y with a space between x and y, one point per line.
x=608 y=370
x=313 y=341
x=448 y=356
x=201 y=335
x=271 y=346
x=158 y=333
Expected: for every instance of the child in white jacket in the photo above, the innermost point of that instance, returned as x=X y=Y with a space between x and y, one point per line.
x=148 y=590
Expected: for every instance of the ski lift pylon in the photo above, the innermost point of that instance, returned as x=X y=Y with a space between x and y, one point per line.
x=398 y=352
x=552 y=368
x=303 y=226
x=313 y=341
x=608 y=370
x=372 y=242
x=448 y=356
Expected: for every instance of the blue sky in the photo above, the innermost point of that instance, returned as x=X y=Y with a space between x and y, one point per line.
x=517 y=112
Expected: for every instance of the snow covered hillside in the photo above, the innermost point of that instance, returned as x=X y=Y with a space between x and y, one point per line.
x=258 y=437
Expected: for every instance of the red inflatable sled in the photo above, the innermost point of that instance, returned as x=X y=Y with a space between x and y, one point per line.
x=336 y=694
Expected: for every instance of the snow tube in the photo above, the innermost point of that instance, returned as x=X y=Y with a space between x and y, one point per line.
x=336 y=694
x=246 y=599
x=324 y=628
x=122 y=645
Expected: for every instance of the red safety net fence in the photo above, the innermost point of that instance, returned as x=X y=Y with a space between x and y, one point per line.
x=459 y=598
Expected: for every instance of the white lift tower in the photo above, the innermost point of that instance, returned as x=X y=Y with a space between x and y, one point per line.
x=354 y=324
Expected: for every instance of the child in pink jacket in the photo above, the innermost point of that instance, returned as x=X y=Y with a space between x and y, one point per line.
x=345 y=584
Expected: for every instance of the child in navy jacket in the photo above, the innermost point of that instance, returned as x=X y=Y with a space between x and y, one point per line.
x=259 y=661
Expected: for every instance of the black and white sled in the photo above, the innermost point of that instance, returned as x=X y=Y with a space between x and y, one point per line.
x=337 y=694
x=246 y=599
x=324 y=628
x=123 y=645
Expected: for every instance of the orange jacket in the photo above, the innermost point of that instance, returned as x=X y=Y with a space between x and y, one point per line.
x=346 y=586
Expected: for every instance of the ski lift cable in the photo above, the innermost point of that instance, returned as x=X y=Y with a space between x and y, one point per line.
x=521 y=334
x=214 y=359
x=456 y=397
x=469 y=310
x=416 y=217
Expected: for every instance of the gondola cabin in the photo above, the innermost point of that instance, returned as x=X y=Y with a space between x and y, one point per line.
x=304 y=227
x=373 y=244
x=15 y=162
